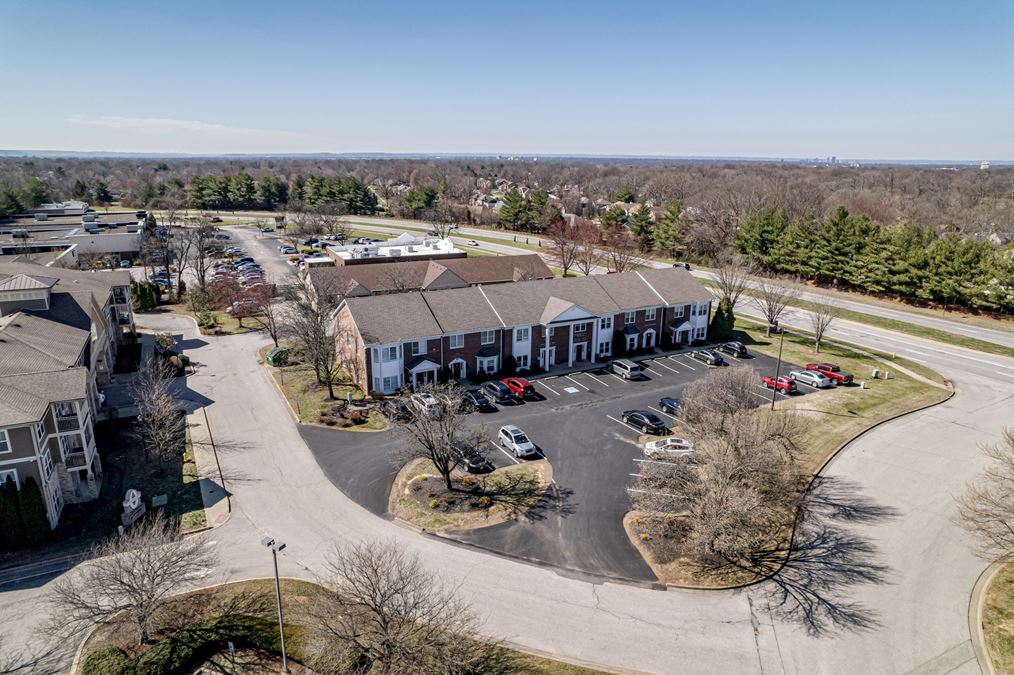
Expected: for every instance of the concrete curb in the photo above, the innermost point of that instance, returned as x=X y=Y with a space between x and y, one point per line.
x=976 y=604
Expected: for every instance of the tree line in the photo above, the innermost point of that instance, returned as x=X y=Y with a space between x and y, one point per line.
x=903 y=260
x=241 y=191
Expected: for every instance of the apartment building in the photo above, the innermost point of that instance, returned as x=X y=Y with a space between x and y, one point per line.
x=408 y=338
x=59 y=333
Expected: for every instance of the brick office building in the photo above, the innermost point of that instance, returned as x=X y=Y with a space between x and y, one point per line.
x=408 y=338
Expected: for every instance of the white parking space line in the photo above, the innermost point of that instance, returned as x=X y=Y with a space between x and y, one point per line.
x=684 y=363
x=509 y=455
x=616 y=376
x=662 y=365
x=577 y=383
x=763 y=398
x=548 y=387
x=662 y=412
x=622 y=424
x=635 y=475
x=596 y=379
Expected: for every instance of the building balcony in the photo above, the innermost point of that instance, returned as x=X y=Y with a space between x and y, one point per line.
x=76 y=458
x=68 y=423
x=123 y=319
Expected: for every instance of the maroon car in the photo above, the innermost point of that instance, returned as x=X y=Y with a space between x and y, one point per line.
x=781 y=383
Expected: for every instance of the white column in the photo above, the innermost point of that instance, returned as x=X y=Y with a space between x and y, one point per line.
x=593 y=349
x=570 y=348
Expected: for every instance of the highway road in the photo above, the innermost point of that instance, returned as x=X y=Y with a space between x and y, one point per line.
x=917 y=617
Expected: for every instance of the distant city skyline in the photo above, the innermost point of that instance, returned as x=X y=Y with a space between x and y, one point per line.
x=881 y=81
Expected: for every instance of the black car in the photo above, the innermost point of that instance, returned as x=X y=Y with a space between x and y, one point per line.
x=737 y=349
x=474 y=400
x=472 y=461
x=647 y=422
x=497 y=391
x=708 y=356
x=397 y=411
x=669 y=404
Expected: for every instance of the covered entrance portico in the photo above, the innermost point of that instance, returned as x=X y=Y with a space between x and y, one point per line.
x=582 y=332
x=680 y=331
x=422 y=371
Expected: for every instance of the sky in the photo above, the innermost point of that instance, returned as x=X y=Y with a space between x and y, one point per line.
x=927 y=80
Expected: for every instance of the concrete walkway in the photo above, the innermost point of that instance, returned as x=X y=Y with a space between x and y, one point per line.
x=217 y=500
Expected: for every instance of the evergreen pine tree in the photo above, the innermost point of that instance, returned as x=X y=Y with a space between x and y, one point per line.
x=669 y=232
x=722 y=321
x=34 y=522
x=643 y=228
x=10 y=517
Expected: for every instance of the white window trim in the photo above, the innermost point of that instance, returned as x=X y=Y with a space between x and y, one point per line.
x=522 y=334
x=650 y=314
x=523 y=360
x=457 y=337
x=3 y=477
x=418 y=347
x=629 y=318
x=606 y=323
x=581 y=327
x=6 y=442
x=385 y=351
x=631 y=342
x=679 y=311
x=491 y=340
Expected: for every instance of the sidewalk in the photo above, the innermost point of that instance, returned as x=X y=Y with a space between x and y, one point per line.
x=217 y=500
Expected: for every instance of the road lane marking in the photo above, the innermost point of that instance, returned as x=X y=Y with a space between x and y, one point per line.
x=500 y=448
x=577 y=383
x=916 y=352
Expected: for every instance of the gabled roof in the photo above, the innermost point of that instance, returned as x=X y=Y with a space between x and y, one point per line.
x=438 y=277
x=25 y=282
x=29 y=344
x=383 y=319
x=558 y=310
x=25 y=397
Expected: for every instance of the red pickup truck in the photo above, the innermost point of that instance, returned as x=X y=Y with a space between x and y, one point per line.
x=782 y=383
x=833 y=372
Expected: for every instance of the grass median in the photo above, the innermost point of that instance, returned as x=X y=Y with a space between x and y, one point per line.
x=998 y=620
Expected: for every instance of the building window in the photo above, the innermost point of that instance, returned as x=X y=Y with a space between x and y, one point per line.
x=580 y=327
x=57 y=500
x=629 y=317
x=604 y=348
x=549 y=333
x=9 y=473
x=390 y=353
x=486 y=364
x=700 y=333
x=649 y=314
x=606 y=323
x=521 y=334
x=40 y=431
x=457 y=341
x=5 y=443
x=522 y=361
x=391 y=383
x=47 y=464
x=488 y=337
x=679 y=311
x=631 y=343
x=418 y=347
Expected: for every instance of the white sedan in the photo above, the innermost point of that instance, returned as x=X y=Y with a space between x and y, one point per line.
x=812 y=378
x=668 y=446
x=472 y=242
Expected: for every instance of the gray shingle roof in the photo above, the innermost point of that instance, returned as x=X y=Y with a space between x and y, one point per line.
x=25 y=282
x=383 y=319
x=31 y=344
x=25 y=397
x=676 y=284
x=461 y=310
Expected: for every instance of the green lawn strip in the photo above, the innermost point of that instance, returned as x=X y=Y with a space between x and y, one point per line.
x=998 y=620
x=247 y=609
x=225 y=323
x=905 y=327
x=838 y=414
x=308 y=397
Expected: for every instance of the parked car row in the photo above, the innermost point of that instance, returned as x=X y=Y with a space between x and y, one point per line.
x=816 y=375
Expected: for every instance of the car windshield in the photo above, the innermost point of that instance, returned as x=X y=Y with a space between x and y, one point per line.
x=520 y=438
x=652 y=419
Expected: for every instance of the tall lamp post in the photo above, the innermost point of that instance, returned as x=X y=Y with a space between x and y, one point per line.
x=778 y=364
x=275 y=547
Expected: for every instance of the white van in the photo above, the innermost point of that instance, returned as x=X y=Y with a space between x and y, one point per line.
x=628 y=370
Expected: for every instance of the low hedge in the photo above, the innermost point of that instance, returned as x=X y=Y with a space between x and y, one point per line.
x=188 y=648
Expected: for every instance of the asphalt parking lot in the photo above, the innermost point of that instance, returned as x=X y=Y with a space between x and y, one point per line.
x=576 y=423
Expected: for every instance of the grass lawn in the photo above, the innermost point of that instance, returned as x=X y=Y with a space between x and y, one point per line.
x=256 y=598
x=418 y=491
x=998 y=620
x=308 y=397
x=225 y=323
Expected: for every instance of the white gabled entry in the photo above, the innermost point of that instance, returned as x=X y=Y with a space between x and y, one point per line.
x=458 y=368
x=649 y=338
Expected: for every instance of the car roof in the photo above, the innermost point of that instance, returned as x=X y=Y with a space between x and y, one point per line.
x=510 y=428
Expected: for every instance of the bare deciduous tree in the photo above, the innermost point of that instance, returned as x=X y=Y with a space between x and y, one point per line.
x=732 y=278
x=440 y=434
x=134 y=573
x=160 y=425
x=986 y=509
x=309 y=320
x=564 y=246
x=589 y=239
x=383 y=612
x=619 y=250
x=772 y=300
x=823 y=314
x=201 y=239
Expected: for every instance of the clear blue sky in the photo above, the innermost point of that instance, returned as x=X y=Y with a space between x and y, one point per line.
x=887 y=79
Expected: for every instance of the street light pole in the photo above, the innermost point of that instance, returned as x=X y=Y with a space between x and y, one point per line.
x=275 y=548
x=778 y=367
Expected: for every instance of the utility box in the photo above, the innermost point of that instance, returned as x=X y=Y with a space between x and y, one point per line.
x=278 y=356
x=876 y=373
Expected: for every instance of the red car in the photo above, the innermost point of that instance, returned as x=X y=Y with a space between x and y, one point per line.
x=833 y=372
x=782 y=384
x=520 y=387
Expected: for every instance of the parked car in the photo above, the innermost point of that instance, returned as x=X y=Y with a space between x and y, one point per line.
x=831 y=371
x=645 y=420
x=288 y=250
x=426 y=404
x=782 y=383
x=668 y=446
x=813 y=378
x=497 y=391
x=515 y=440
x=684 y=265
x=396 y=410
x=267 y=229
x=669 y=404
x=126 y=263
x=475 y=401
x=471 y=242
x=471 y=460
x=737 y=349
x=520 y=387
x=628 y=370
x=319 y=245
x=708 y=356
x=216 y=219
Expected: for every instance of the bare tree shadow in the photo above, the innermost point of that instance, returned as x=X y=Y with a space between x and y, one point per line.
x=522 y=495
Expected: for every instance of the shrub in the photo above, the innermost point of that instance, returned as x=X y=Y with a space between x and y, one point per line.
x=485 y=501
x=344 y=423
x=467 y=481
x=645 y=537
x=356 y=417
x=108 y=661
x=434 y=503
x=722 y=321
